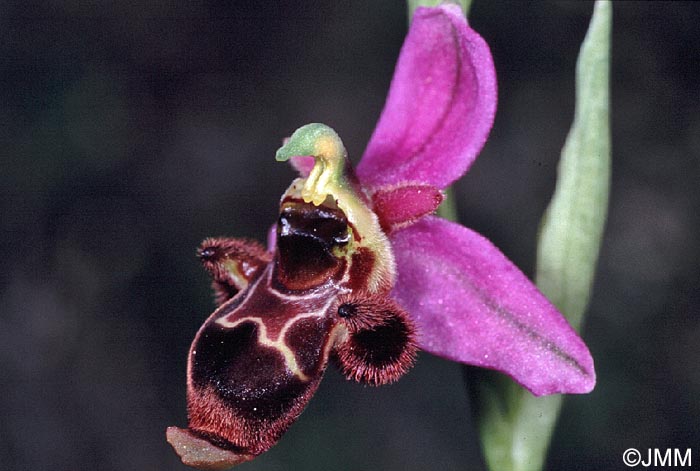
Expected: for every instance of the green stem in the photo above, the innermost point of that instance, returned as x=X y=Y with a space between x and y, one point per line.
x=516 y=427
x=448 y=208
x=413 y=4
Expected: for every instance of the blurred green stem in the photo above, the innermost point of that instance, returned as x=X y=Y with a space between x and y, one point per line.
x=413 y=4
x=448 y=208
x=515 y=426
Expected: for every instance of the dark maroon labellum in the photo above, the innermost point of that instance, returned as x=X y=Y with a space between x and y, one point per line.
x=258 y=359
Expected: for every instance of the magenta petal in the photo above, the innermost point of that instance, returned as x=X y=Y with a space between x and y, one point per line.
x=440 y=107
x=471 y=304
x=401 y=205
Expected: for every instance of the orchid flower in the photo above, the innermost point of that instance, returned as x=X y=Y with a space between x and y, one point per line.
x=359 y=272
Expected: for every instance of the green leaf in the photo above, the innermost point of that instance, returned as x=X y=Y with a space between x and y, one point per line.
x=572 y=227
x=515 y=426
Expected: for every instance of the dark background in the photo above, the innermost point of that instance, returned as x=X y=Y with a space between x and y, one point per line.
x=129 y=132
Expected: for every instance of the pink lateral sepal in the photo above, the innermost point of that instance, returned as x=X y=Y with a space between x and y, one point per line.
x=440 y=106
x=473 y=305
x=403 y=204
x=200 y=453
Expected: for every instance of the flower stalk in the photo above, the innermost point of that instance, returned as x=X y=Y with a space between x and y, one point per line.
x=413 y=4
x=516 y=427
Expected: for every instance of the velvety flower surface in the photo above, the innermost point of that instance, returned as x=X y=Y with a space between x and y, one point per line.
x=470 y=303
x=440 y=106
x=358 y=272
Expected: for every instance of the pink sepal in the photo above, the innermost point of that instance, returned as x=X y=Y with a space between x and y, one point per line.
x=471 y=304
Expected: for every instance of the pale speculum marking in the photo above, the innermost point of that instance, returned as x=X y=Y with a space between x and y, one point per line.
x=262 y=291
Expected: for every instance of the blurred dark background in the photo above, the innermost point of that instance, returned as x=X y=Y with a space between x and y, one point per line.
x=129 y=132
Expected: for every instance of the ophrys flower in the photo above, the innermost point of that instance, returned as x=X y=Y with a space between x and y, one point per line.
x=359 y=272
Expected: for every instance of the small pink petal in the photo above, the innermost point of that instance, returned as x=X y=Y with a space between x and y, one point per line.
x=440 y=107
x=471 y=304
x=403 y=204
x=302 y=164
